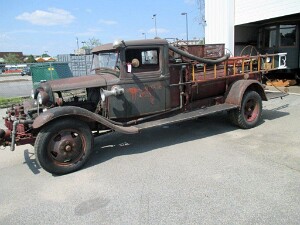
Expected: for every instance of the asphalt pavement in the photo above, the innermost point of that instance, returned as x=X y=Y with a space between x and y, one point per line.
x=15 y=86
x=204 y=171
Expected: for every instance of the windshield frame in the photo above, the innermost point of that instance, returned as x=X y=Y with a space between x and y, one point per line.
x=106 y=62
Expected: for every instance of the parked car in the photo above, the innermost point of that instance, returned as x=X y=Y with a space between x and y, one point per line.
x=26 y=71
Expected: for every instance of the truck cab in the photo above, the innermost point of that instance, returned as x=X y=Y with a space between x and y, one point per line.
x=141 y=69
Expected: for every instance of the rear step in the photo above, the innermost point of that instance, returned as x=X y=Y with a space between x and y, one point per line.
x=187 y=116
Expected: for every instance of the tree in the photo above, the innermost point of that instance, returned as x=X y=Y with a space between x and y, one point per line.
x=91 y=43
x=30 y=59
x=201 y=18
x=45 y=55
x=12 y=58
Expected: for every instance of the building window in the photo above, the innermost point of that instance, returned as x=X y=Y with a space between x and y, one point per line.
x=270 y=37
x=287 y=35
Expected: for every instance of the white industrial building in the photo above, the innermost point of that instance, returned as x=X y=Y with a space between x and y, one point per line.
x=270 y=26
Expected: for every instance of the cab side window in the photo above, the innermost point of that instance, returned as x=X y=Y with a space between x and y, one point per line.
x=142 y=60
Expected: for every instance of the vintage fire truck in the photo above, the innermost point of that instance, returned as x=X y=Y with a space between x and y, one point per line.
x=135 y=85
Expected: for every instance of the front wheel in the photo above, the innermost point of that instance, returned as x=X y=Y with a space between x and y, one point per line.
x=63 y=146
x=249 y=114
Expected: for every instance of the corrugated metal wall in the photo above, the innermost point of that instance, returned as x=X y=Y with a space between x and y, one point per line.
x=219 y=16
x=256 y=10
x=79 y=64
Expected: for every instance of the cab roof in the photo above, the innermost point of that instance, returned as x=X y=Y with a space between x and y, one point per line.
x=107 y=47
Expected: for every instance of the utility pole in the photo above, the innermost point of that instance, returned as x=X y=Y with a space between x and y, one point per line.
x=154 y=17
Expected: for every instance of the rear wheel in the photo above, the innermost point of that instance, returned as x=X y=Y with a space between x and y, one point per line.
x=249 y=114
x=63 y=146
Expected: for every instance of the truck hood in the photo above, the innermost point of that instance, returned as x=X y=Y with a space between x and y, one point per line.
x=77 y=82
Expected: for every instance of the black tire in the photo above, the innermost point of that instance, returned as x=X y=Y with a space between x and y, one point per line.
x=249 y=115
x=63 y=146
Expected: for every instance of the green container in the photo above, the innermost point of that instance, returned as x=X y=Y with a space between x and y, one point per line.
x=49 y=71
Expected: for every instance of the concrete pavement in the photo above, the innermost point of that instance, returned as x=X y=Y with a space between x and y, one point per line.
x=204 y=171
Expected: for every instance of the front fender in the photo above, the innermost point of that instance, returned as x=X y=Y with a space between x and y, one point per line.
x=237 y=90
x=77 y=112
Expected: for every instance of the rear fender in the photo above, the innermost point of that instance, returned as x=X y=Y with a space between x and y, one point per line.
x=237 y=90
x=78 y=113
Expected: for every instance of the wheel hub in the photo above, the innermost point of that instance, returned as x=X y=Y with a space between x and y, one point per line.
x=68 y=148
x=251 y=110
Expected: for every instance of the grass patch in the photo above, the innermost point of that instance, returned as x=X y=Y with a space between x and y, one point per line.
x=6 y=102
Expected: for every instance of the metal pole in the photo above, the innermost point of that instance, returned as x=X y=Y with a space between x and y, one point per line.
x=85 y=64
x=186 y=27
x=51 y=68
x=77 y=43
x=154 y=17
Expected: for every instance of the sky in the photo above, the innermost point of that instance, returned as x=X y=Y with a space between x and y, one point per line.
x=53 y=26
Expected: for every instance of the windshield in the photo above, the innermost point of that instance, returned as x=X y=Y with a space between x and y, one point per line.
x=106 y=61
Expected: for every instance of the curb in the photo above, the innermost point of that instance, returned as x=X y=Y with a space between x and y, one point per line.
x=11 y=74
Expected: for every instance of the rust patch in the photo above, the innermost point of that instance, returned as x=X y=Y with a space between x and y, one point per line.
x=133 y=92
x=146 y=92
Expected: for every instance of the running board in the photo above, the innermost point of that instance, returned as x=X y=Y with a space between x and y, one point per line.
x=187 y=116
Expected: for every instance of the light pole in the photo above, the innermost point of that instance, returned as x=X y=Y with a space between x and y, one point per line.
x=77 y=42
x=186 y=25
x=144 y=35
x=154 y=17
x=85 y=50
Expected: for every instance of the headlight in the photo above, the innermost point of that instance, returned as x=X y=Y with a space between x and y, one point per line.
x=42 y=98
x=39 y=98
x=32 y=94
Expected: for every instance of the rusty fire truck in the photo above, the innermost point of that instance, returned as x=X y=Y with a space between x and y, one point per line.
x=135 y=85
